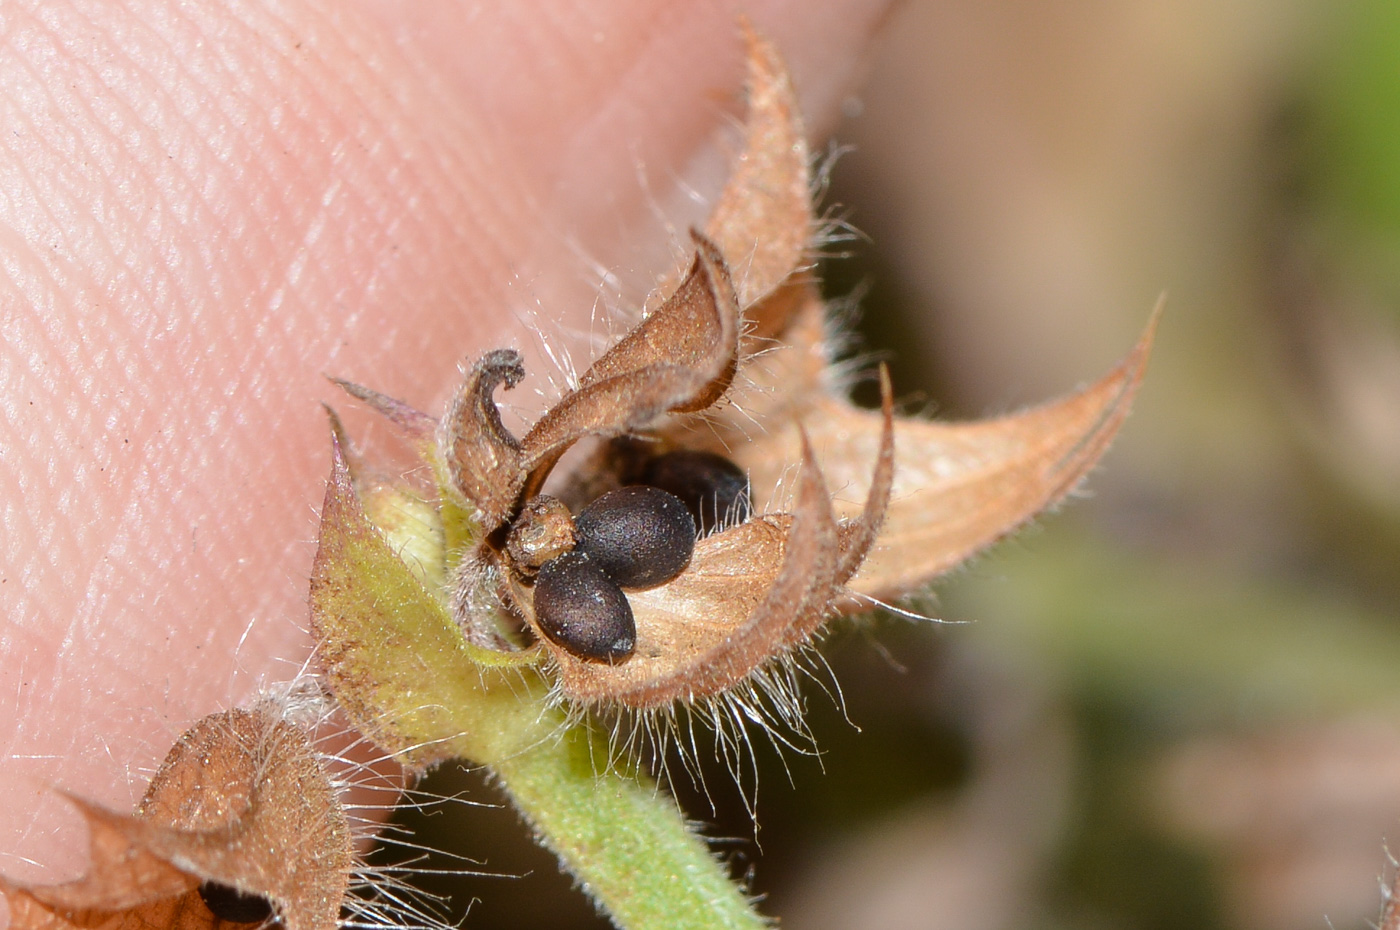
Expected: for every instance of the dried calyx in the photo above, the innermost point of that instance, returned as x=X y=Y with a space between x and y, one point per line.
x=736 y=554
x=696 y=559
x=752 y=589
x=242 y=824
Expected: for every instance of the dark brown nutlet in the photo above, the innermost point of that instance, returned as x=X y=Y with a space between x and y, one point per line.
x=640 y=536
x=229 y=904
x=714 y=489
x=582 y=610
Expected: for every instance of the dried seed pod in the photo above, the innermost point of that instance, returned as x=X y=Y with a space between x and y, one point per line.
x=713 y=489
x=583 y=610
x=640 y=536
x=228 y=903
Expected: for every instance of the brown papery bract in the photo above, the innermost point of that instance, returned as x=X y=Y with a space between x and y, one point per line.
x=240 y=800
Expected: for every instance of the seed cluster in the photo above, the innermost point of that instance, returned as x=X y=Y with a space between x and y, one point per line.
x=633 y=538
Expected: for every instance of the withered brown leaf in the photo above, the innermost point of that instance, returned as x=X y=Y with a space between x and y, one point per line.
x=240 y=800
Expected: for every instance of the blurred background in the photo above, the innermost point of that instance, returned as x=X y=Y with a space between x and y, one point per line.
x=1175 y=703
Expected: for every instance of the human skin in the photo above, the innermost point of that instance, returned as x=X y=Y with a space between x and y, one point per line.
x=206 y=207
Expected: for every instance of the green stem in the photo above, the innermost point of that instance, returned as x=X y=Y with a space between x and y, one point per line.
x=616 y=832
x=407 y=678
x=624 y=840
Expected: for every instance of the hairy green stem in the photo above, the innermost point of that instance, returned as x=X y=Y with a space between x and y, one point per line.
x=624 y=840
x=408 y=679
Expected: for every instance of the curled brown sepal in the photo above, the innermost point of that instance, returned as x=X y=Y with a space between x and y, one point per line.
x=677 y=360
x=420 y=428
x=958 y=487
x=696 y=328
x=750 y=594
x=762 y=222
x=484 y=460
x=961 y=487
x=241 y=801
x=857 y=535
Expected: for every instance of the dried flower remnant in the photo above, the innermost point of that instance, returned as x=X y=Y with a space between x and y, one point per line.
x=762 y=583
x=474 y=621
x=240 y=822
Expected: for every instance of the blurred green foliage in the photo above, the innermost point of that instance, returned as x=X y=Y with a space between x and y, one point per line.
x=1350 y=111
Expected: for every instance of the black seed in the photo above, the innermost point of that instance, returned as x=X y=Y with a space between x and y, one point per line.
x=641 y=536
x=583 y=610
x=230 y=904
x=714 y=489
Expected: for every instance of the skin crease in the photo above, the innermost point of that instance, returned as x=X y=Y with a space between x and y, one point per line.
x=205 y=207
